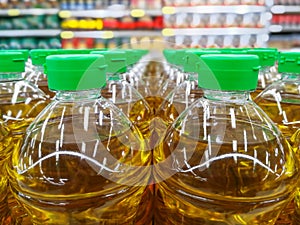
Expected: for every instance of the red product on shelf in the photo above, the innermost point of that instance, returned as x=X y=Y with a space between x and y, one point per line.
x=127 y=23
x=145 y=22
x=111 y=23
x=158 y=23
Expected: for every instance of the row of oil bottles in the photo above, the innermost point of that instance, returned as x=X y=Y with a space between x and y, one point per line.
x=128 y=138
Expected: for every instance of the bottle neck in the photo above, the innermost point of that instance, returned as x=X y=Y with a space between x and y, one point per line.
x=70 y=96
x=39 y=68
x=4 y=77
x=291 y=76
x=114 y=76
x=265 y=69
x=227 y=96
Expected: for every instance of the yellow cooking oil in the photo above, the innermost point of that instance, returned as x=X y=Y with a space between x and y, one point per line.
x=82 y=160
x=223 y=161
x=20 y=103
x=74 y=191
x=226 y=191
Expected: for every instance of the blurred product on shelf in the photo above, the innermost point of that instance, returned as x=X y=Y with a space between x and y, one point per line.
x=284 y=41
x=218 y=41
x=82 y=24
x=106 y=4
x=122 y=42
x=30 y=22
x=124 y=23
x=286 y=2
x=287 y=21
x=26 y=4
x=215 y=20
x=179 y=3
x=29 y=43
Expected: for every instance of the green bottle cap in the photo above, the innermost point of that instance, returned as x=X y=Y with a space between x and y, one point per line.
x=169 y=55
x=11 y=61
x=137 y=54
x=289 y=62
x=115 y=60
x=143 y=51
x=228 y=72
x=75 y=72
x=79 y=51
x=38 y=56
x=233 y=50
x=178 y=57
x=267 y=56
x=25 y=52
x=131 y=56
x=191 y=58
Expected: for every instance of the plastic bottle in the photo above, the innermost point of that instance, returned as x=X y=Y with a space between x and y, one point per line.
x=223 y=161
x=20 y=101
x=186 y=92
x=5 y=139
x=268 y=72
x=176 y=75
x=28 y=65
x=83 y=161
x=136 y=72
x=123 y=94
x=38 y=59
x=281 y=101
x=37 y=76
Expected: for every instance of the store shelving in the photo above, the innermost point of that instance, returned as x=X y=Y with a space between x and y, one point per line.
x=282 y=9
x=190 y=26
x=30 y=33
x=108 y=34
x=213 y=31
x=108 y=13
x=26 y=12
x=206 y=9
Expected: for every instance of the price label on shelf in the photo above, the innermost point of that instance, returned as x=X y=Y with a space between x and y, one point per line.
x=13 y=12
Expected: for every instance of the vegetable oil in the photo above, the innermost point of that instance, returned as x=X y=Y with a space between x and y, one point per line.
x=20 y=103
x=281 y=101
x=223 y=161
x=82 y=161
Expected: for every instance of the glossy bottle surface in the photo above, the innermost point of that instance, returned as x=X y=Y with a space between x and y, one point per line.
x=281 y=102
x=223 y=162
x=83 y=162
x=20 y=103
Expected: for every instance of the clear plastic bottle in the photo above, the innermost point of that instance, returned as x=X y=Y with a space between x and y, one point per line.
x=38 y=59
x=28 y=65
x=136 y=70
x=187 y=91
x=268 y=73
x=37 y=76
x=5 y=141
x=21 y=102
x=82 y=161
x=176 y=75
x=123 y=94
x=223 y=161
x=281 y=101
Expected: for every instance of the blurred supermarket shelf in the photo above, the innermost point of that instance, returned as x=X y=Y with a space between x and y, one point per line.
x=118 y=13
x=108 y=34
x=281 y=9
x=30 y=33
x=284 y=28
x=236 y=9
x=23 y=12
x=213 y=31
